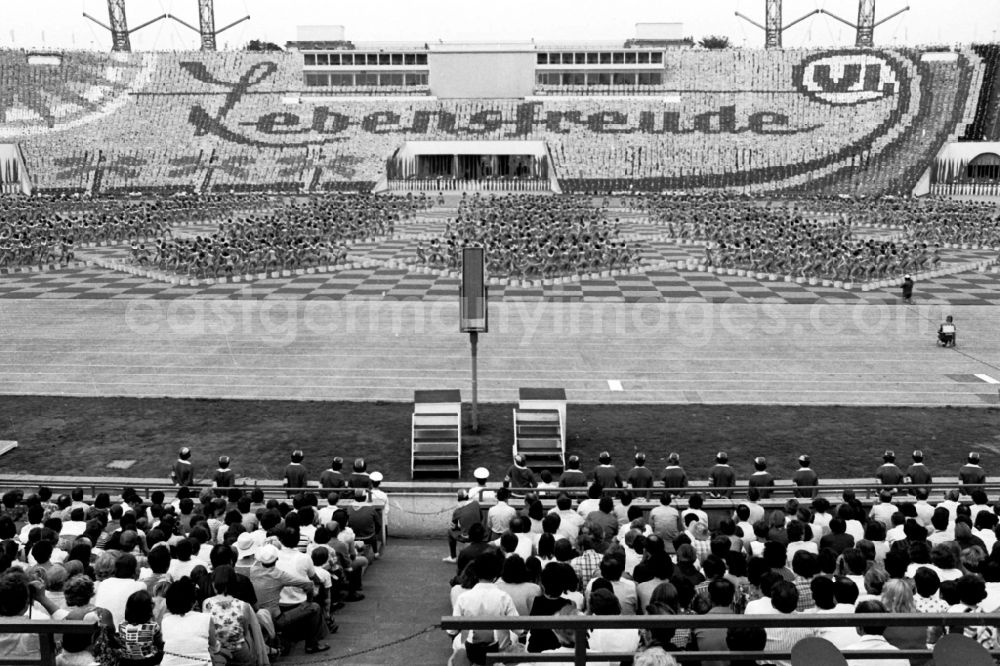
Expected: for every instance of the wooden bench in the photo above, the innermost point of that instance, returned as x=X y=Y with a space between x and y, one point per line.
x=436 y=436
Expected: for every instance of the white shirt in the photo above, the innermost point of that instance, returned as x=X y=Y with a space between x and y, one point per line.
x=871 y=642
x=485 y=599
x=300 y=565
x=588 y=506
x=499 y=517
x=924 y=512
x=612 y=640
x=570 y=523
x=841 y=637
x=113 y=593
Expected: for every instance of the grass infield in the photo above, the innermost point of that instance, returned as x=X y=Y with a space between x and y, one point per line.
x=80 y=436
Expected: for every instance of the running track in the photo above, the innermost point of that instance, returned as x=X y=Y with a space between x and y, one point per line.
x=665 y=352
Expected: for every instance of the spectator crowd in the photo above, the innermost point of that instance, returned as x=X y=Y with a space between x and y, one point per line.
x=601 y=550
x=213 y=575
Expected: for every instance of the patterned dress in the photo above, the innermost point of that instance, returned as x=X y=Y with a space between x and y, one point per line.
x=227 y=613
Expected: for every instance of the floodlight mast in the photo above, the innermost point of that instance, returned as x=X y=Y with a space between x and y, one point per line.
x=773 y=29
x=206 y=24
x=120 y=34
x=865 y=27
x=119 y=26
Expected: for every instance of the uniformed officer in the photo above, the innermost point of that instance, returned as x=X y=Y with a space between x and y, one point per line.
x=971 y=476
x=674 y=476
x=573 y=476
x=606 y=474
x=761 y=478
x=889 y=473
x=721 y=476
x=917 y=474
x=223 y=477
x=805 y=476
x=182 y=472
x=640 y=476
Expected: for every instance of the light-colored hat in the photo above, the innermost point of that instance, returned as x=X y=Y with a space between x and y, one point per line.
x=481 y=473
x=375 y=476
x=245 y=545
x=268 y=554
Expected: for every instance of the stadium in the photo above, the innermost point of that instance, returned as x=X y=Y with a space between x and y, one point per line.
x=284 y=325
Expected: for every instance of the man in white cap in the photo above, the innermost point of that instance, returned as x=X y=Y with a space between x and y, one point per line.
x=907 y=289
x=182 y=472
x=379 y=498
x=302 y=621
x=479 y=491
x=971 y=476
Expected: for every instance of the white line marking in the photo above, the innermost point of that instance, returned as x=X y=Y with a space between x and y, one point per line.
x=988 y=379
x=615 y=385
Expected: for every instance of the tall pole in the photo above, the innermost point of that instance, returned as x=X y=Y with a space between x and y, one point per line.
x=206 y=23
x=474 y=341
x=772 y=24
x=866 y=24
x=119 y=26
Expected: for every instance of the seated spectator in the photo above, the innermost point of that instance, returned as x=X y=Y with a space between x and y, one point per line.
x=139 y=635
x=516 y=581
x=114 y=593
x=872 y=638
x=603 y=602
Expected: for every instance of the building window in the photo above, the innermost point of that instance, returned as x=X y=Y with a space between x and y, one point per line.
x=630 y=58
x=592 y=58
x=644 y=58
x=384 y=59
x=580 y=59
x=310 y=59
x=322 y=59
x=397 y=58
x=314 y=80
x=624 y=78
x=657 y=58
x=619 y=58
x=605 y=58
x=421 y=58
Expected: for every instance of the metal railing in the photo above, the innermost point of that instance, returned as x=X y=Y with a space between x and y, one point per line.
x=46 y=630
x=582 y=624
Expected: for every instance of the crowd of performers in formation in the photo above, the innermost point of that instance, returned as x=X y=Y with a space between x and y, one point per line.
x=532 y=236
x=293 y=235
x=527 y=236
x=44 y=231
x=804 y=239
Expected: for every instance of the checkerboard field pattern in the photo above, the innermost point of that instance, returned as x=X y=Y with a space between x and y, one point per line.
x=396 y=283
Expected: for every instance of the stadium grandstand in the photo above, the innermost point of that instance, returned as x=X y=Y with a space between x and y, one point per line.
x=720 y=411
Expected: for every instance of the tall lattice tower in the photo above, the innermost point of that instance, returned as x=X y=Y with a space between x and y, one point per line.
x=866 y=24
x=119 y=26
x=206 y=24
x=772 y=25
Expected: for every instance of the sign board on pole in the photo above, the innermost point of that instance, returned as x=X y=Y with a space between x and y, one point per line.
x=473 y=309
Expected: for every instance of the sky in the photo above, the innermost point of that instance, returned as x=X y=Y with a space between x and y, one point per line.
x=60 y=24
